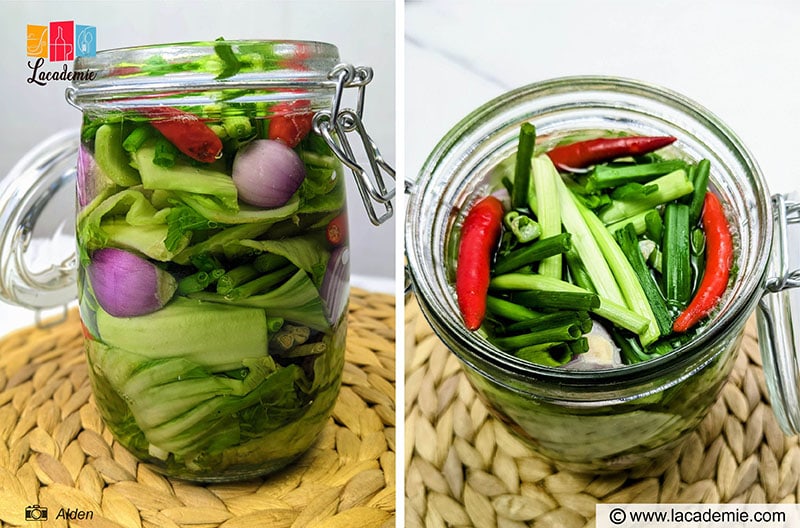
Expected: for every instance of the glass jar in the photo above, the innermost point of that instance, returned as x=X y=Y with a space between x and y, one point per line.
x=609 y=419
x=212 y=255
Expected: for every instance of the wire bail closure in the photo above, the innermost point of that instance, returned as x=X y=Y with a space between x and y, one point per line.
x=777 y=330
x=335 y=124
x=786 y=212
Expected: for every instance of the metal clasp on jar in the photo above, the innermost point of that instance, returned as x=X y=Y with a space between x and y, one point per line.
x=786 y=212
x=776 y=331
x=335 y=124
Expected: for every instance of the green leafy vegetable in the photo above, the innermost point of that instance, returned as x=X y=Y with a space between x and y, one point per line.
x=190 y=329
x=185 y=177
x=180 y=221
x=307 y=253
x=129 y=220
x=608 y=176
x=235 y=277
x=323 y=175
x=260 y=284
x=230 y=63
x=587 y=247
x=237 y=127
x=176 y=402
x=541 y=249
x=634 y=295
x=699 y=194
x=215 y=244
x=295 y=300
x=112 y=158
x=633 y=191
x=145 y=239
x=616 y=313
x=212 y=209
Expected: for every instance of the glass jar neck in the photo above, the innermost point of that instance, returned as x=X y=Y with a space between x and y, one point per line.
x=466 y=165
x=204 y=73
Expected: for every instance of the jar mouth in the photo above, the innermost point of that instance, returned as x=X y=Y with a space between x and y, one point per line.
x=133 y=76
x=460 y=170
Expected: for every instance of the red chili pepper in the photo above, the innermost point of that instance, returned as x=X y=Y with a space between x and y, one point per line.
x=336 y=232
x=719 y=259
x=120 y=71
x=291 y=122
x=186 y=131
x=479 y=236
x=584 y=153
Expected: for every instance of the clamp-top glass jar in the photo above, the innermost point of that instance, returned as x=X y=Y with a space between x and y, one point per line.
x=212 y=262
x=622 y=417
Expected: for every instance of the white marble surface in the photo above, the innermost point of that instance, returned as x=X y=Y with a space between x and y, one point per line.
x=736 y=58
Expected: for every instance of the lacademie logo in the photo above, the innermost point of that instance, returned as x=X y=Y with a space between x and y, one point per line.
x=59 y=42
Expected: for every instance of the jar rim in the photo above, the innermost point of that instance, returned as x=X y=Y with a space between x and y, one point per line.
x=147 y=71
x=462 y=143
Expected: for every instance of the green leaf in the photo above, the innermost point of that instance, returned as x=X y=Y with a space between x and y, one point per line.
x=193 y=330
x=127 y=219
x=180 y=221
x=306 y=252
x=176 y=403
x=111 y=158
x=322 y=199
x=215 y=244
x=212 y=209
x=229 y=61
x=184 y=177
x=323 y=172
x=158 y=65
x=297 y=300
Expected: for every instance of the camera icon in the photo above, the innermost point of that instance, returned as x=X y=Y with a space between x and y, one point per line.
x=35 y=513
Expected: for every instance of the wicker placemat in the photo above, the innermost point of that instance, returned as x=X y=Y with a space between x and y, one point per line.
x=56 y=452
x=463 y=468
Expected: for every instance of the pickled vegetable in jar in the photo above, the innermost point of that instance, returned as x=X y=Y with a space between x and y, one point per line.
x=212 y=263
x=601 y=250
x=605 y=414
x=213 y=302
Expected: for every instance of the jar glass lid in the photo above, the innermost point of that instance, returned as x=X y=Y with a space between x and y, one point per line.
x=37 y=219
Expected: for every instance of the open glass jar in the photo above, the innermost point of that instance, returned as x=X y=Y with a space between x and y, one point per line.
x=212 y=257
x=608 y=419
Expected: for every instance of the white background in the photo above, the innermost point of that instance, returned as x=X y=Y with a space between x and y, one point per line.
x=740 y=59
x=364 y=32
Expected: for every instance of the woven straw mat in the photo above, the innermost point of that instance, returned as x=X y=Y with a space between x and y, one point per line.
x=463 y=468
x=56 y=452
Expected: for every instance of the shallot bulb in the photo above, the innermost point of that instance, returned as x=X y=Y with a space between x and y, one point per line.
x=126 y=285
x=334 y=289
x=267 y=173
